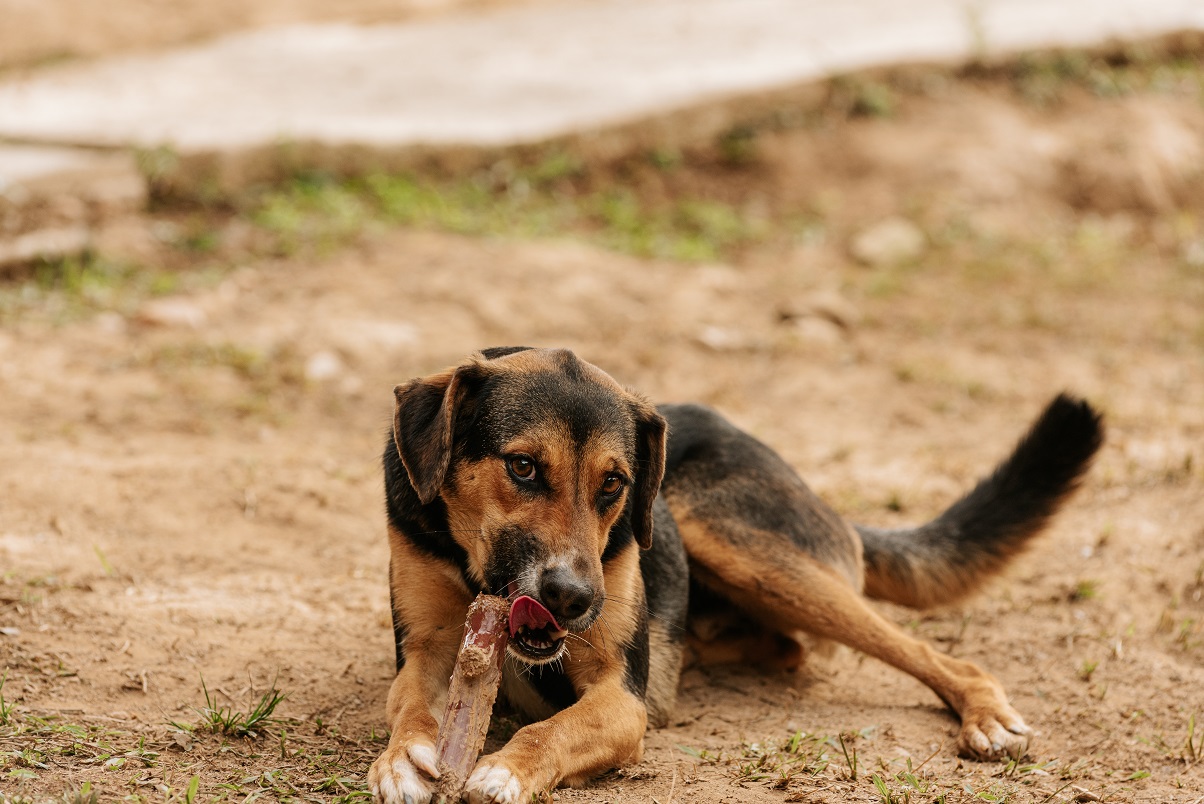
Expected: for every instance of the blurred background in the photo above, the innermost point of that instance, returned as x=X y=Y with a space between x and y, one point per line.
x=879 y=237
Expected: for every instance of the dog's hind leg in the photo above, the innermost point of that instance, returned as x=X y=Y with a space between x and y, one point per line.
x=786 y=588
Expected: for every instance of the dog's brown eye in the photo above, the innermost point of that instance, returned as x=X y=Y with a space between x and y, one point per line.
x=522 y=467
x=612 y=485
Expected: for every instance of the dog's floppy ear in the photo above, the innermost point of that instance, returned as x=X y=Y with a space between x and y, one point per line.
x=650 y=429
x=424 y=424
x=494 y=352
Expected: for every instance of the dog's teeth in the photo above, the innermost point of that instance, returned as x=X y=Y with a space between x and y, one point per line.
x=558 y=634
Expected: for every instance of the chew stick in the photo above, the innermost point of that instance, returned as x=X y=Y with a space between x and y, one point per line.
x=470 y=696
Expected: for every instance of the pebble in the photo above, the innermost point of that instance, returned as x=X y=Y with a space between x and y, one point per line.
x=322 y=366
x=818 y=330
x=722 y=339
x=888 y=242
x=172 y=313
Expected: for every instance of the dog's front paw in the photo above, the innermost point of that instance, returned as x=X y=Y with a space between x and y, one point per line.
x=494 y=783
x=994 y=733
x=404 y=774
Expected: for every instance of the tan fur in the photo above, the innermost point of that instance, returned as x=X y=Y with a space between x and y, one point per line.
x=605 y=727
x=481 y=497
x=664 y=669
x=775 y=569
x=598 y=731
x=798 y=592
x=419 y=691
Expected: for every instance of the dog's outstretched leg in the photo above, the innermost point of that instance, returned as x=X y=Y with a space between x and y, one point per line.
x=757 y=536
x=798 y=592
x=428 y=627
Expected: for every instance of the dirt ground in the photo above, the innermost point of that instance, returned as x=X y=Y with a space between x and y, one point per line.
x=191 y=503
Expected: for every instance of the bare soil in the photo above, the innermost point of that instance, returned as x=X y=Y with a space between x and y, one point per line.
x=192 y=487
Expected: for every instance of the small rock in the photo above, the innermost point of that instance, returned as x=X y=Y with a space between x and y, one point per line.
x=888 y=242
x=1193 y=253
x=828 y=305
x=818 y=330
x=167 y=232
x=322 y=366
x=10 y=631
x=172 y=313
x=835 y=308
x=110 y=323
x=46 y=243
x=722 y=340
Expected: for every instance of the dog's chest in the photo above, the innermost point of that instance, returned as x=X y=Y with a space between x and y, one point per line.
x=537 y=692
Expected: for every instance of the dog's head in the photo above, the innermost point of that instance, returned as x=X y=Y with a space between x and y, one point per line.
x=547 y=467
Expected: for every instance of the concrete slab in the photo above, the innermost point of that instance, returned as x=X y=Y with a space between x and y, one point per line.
x=51 y=199
x=519 y=75
x=106 y=178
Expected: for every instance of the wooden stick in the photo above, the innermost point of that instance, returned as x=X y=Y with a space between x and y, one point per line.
x=471 y=694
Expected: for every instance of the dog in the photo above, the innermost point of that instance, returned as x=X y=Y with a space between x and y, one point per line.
x=638 y=532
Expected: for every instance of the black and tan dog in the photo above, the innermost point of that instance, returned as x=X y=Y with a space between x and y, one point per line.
x=532 y=473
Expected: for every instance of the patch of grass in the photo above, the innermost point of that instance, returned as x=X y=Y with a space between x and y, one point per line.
x=540 y=201
x=800 y=754
x=271 y=378
x=907 y=785
x=1193 y=746
x=313 y=212
x=70 y=288
x=862 y=96
x=84 y=795
x=1185 y=633
x=738 y=145
x=227 y=720
x=1086 y=589
x=320 y=764
x=1046 y=78
x=850 y=755
x=701 y=754
x=1014 y=768
x=996 y=793
x=7 y=717
x=104 y=561
x=1087 y=669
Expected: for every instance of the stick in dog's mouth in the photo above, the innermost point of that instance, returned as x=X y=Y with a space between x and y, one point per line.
x=534 y=633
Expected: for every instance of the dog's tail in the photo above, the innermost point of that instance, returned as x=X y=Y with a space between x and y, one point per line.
x=946 y=559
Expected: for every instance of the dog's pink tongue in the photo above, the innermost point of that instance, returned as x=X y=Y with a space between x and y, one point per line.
x=530 y=612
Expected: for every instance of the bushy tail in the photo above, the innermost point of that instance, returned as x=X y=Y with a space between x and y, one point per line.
x=950 y=556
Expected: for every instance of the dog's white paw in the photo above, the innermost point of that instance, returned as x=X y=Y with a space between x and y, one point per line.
x=995 y=735
x=404 y=774
x=493 y=783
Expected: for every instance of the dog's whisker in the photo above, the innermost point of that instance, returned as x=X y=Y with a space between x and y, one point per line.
x=449 y=532
x=602 y=621
x=582 y=639
x=643 y=607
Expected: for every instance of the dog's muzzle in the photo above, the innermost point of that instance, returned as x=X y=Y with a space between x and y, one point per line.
x=534 y=633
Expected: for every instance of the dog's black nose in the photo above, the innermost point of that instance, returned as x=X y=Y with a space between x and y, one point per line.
x=565 y=594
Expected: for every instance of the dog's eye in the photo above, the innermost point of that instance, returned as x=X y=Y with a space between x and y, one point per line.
x=521 y=467
x=612 y=485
